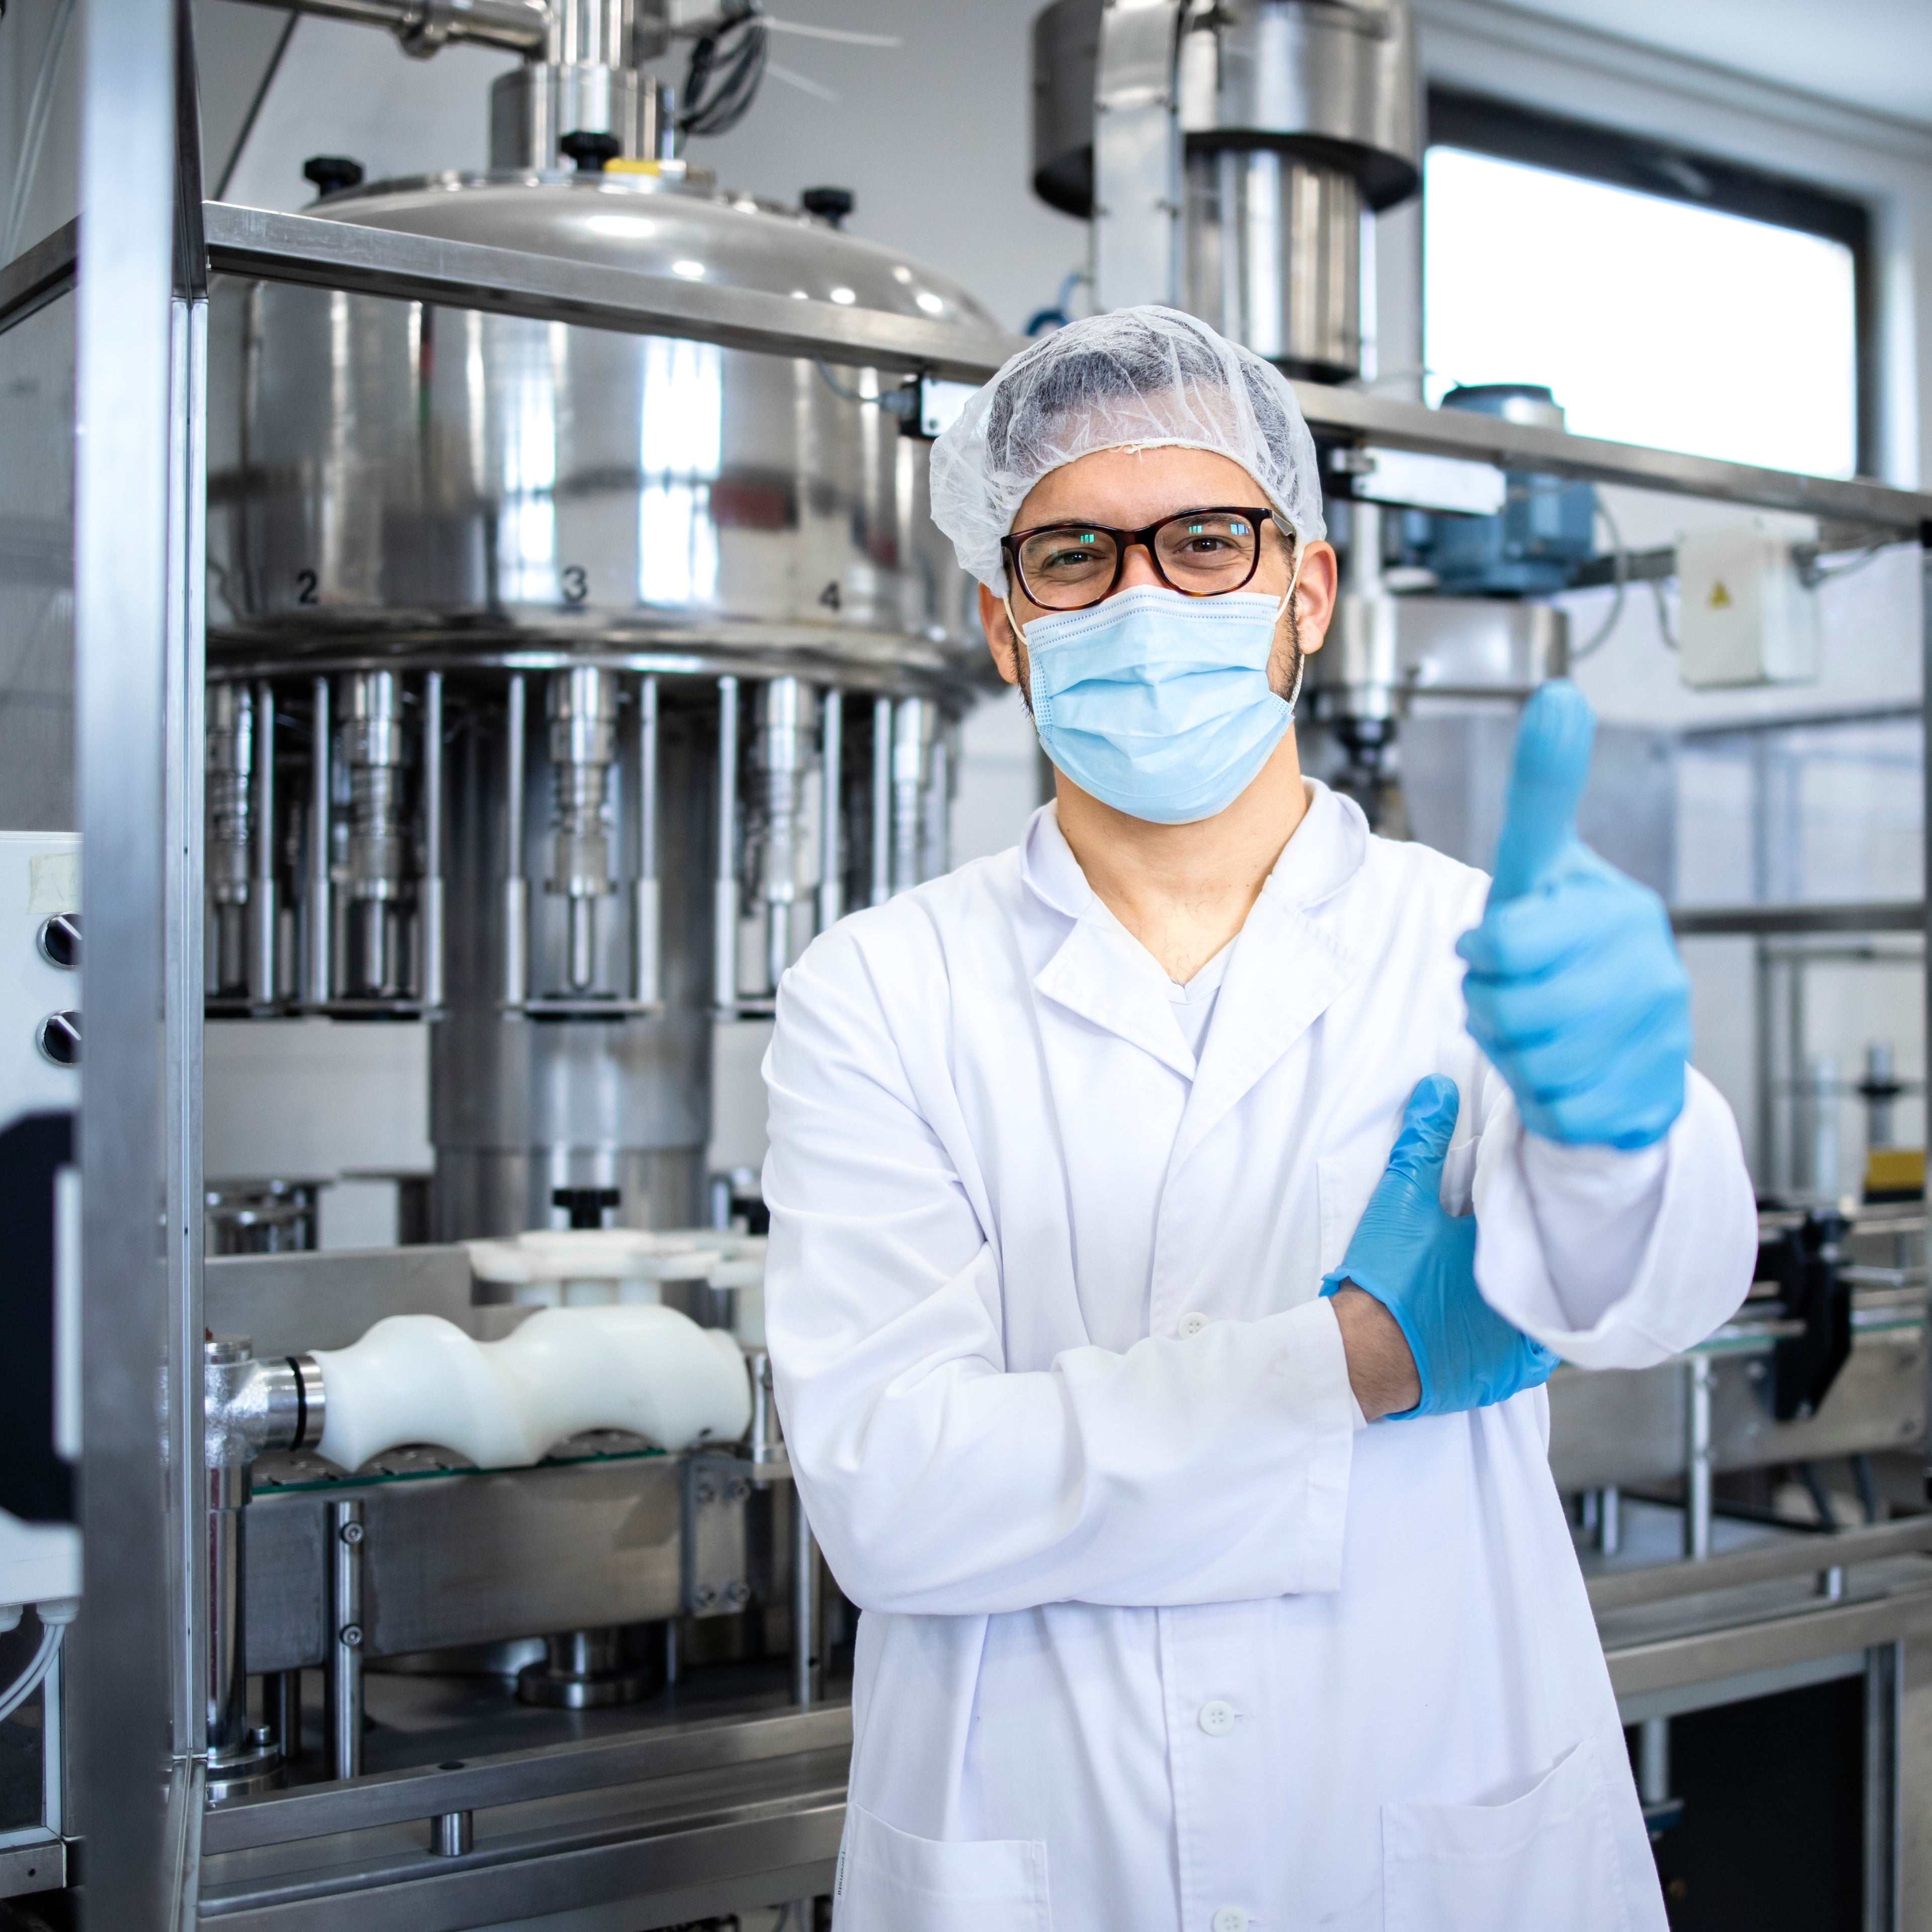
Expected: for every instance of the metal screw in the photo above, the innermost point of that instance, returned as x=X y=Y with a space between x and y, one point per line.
x=352 y=1532
x=737 y=1594
x=704 y=1596
x=350 y=1634
x=705 y=1491
x=737 y=1490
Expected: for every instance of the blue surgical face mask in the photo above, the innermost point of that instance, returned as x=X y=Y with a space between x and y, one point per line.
x=1159 y=704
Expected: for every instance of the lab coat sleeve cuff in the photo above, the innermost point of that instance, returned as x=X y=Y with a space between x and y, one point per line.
x=1692 y=1274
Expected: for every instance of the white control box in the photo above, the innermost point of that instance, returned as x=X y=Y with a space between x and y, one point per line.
x=1746 y=615
x=39 y=1072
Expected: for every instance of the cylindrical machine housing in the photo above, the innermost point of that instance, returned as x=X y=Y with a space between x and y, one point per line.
x=1294 y=117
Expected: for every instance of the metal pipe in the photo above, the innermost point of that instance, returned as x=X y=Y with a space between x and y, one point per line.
x=1653 y=1755
x=430 y=889
x=831 y=883
x=261 y=951
x=724 y=902
x=281 y=1693
x=807 y=1667
x=452 y=1834
x=320 y=925
x=911 y=773
x=1698 y=1459
x=516 y=887
x=522 y=26
x=882 y=801
x=1610 y=1521
x=345 y=1649
x=647 y=906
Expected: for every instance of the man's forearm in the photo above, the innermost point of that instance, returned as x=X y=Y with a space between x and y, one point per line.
x=1381 y=1370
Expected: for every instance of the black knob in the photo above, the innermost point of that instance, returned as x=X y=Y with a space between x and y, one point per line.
x=59 y=1038
x=829 y=204
x=59 y=939
x=332 y=173
x=590 y=150
x=587 y=1204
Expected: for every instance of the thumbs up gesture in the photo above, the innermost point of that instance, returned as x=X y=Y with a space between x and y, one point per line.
x=1574 y=988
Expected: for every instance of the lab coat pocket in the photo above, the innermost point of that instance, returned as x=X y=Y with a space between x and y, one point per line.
x=1343 y=1184
x=1545 y=1859
x=890 y=1881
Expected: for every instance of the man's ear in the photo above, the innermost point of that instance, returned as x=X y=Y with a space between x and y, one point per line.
x=1000 y=638
x=1315 y=596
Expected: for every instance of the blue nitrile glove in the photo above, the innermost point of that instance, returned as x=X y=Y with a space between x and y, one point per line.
x=1419 y=1262
x=1574 y=989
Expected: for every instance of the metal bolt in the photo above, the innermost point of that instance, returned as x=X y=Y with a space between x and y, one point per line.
x=350 y=1634
x=352 y=1532
x=704 y=1596
x=737 y=1594
x=704 y=1490
x=737 y=1490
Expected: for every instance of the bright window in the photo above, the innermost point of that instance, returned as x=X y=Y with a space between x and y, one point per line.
x=1653 y=320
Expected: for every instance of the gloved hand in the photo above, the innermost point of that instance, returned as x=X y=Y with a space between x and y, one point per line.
x=1574 y=989
x=1420 y=1263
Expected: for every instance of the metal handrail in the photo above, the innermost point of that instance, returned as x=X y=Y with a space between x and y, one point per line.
x=514 y=1777
x=1656 y=1583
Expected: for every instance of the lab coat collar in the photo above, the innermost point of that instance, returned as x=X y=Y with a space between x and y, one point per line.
x=1285 y=971
x=1100 y=971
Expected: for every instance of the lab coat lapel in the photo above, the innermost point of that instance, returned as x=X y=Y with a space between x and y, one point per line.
x=1095 y=976
x=1098 y=973
x=1287 y=969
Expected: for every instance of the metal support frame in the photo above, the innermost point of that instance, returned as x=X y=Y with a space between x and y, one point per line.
x=831 y=755
x=318 y=977
x=808 y=1662
x=724 y=900
x=1136 y=227
x=1698 y=1458
x=429 y=890
x=516 y=884
x=345 y=1644
x=262 y=907
x=882 y=800
x=646 y=910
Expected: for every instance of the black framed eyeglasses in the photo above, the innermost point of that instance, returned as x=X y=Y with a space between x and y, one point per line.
x=1199 y=552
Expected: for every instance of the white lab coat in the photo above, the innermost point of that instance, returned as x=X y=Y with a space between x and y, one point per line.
x=1155 y=1638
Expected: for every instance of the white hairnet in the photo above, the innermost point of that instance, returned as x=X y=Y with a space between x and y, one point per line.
x=1141 y=376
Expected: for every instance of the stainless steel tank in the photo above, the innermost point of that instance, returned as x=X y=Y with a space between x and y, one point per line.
x=1292 y=118
x=629 y=661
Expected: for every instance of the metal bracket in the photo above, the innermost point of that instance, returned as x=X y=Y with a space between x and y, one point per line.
x=1136 y=156
x=716 y=1490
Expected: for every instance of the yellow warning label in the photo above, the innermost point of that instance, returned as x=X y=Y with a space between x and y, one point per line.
x=1719 y=599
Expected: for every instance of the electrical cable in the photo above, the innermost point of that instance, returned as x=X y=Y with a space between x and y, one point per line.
x=722 y=82
x=1622 y=581
x=24 y=1686
x=40 y=111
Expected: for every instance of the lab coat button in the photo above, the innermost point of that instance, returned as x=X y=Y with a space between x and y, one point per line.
x=1192 y=1324
x=1231 y=1918
x=1217 y=1718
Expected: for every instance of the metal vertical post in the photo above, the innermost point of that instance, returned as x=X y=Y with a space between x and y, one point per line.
x=516 y=887
x=345 y=1646
x=647 y=907
x=1697 y=1458
x=128 y=574
x=1925 y=840
x=321 y=925
x=724 y=902
x=1653 y=1761
x=882 y=801
x=261 y=891
x=831 y=756
x=808 y=1666
x=1883 y=1839
x=430 y=891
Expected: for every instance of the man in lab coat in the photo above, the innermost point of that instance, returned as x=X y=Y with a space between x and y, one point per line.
x=1183 y=1446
